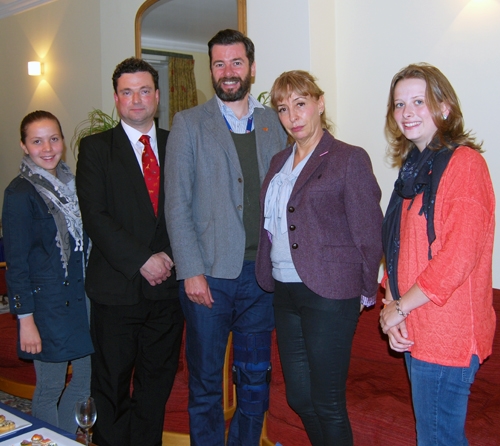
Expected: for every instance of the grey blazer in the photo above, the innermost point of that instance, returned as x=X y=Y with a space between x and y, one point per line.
x=204 y=189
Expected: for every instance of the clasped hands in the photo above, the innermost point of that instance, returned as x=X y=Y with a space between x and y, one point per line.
x=157 y=268
x=394 y=325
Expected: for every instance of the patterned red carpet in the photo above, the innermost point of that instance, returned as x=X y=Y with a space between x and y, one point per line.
x=13 y=401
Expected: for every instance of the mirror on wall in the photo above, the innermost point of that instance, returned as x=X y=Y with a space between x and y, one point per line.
x=181 y=29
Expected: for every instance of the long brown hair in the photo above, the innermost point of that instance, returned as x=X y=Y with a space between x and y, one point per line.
x=450 y=130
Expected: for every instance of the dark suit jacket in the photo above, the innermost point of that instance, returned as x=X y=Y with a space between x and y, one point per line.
x=334 y=220
x=119 y=218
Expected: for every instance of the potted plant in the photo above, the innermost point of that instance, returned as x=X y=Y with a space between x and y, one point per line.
x=264 y=98
x=97 y=121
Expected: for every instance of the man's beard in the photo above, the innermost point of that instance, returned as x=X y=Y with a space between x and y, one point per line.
x=234 y=95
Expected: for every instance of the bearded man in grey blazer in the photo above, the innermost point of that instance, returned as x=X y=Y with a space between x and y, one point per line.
x=217 y=156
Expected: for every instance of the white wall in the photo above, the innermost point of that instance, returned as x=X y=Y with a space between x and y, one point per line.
x=62 y=35
x=280 y=31
x=323 y=48
x=376 y=39
x=117 y=41
x=355 y=47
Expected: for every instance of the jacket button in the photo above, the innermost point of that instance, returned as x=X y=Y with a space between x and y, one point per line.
x=240 y=180
x=66 y=283
x=240 y=207
x=295 y=246
x=291 y=209
x=67 y=303
x=17 y=305
x=17 y=297
x=292 y=227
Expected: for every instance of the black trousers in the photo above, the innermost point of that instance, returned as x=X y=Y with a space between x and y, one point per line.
x=314 y=342
x=143 y=340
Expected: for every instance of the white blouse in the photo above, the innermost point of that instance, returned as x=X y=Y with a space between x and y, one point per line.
x=275 y=222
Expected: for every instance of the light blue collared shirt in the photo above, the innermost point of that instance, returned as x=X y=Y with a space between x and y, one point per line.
x=239 y=125
x=275 y=222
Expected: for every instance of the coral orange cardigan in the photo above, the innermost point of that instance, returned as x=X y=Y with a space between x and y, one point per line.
x=459 y=321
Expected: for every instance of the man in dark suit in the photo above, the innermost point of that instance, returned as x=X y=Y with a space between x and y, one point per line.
x=136 y=319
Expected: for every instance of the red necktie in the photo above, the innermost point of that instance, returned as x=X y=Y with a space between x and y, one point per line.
x=151 y=172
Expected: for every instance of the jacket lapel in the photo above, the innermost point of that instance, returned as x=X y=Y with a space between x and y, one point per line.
x=161 y=138
x=214 y=122
x=264 y=140
x=319 y=154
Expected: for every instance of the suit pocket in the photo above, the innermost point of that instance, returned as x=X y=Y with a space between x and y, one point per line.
x=341 y=254
x=318 y=184
x=51 y=312
x=102 y=278
x=345 y=264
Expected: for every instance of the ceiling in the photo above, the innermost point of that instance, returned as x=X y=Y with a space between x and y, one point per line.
x=169 y=24
x=186 y=24
x=11 y=7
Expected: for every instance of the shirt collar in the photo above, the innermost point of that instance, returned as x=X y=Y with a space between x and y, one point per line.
x=134 y=134
x=252 y=105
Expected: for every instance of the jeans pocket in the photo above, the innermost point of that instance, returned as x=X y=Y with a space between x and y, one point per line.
x=469 y=373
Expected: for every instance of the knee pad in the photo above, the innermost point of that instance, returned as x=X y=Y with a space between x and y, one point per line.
x=252 y=371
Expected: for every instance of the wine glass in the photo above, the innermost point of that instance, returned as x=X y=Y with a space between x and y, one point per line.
x=85 y=415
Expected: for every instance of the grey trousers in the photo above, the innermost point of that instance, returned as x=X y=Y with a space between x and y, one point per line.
x=52 y=401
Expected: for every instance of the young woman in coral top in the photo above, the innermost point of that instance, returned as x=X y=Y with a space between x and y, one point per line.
x=438 y=241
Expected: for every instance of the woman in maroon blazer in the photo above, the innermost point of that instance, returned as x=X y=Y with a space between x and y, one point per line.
x=319 y=251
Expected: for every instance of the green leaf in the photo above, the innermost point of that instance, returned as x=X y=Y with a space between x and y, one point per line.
x=264 y=97
x=97 y=121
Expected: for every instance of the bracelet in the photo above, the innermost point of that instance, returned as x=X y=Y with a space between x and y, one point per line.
x=401 y=312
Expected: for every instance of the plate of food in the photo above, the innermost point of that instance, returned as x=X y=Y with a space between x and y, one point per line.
x=10 y=423
x=40 y=437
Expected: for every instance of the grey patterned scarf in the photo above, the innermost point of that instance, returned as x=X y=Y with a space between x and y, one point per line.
x=59 y=193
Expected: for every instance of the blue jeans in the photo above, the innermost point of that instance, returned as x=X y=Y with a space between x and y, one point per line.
x=240 y=305
x=314 y=341
x=52 y=401
x=440 y=395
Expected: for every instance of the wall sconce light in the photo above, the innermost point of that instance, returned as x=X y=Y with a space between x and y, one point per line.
x=35 y=68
